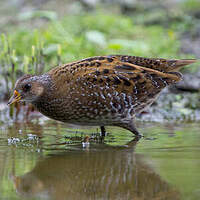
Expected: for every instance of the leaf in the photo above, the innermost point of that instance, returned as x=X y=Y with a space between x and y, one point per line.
x=50 y=49
x=96 y=37
x=50 y=15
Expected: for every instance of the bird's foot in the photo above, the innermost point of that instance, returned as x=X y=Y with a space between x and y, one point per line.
x=86 y=142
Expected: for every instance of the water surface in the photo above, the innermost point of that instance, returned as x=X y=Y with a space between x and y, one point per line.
x=48 y=160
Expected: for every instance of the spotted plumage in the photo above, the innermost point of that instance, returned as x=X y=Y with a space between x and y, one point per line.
x=103 y=90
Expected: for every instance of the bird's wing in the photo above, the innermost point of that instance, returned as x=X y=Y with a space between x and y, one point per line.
x=113 y=72
x=160 y=64
x=105 y=76
x=127 y=77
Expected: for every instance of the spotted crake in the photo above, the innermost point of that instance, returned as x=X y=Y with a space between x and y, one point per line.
x=103 y=90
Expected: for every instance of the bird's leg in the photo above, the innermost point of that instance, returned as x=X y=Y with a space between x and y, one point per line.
x=132 y=144
x=134 y=130
x=103 y=131
x=131 y=127
x=102 y=134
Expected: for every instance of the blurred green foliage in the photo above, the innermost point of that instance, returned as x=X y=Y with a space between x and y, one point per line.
x=96 y=34
x=191 y=5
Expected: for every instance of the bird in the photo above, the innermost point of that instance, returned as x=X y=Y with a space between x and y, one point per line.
x=101 y=90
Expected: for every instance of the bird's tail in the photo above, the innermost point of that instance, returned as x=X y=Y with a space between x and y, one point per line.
x=175 y=65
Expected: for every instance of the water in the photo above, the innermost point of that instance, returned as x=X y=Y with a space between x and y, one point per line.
x=48 y=160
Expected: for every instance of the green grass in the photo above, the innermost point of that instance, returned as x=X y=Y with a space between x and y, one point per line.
x=96 y=34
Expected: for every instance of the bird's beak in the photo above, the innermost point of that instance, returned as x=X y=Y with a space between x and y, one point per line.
x=15 y=98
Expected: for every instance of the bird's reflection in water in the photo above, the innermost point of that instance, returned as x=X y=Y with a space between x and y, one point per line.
x=103 y=172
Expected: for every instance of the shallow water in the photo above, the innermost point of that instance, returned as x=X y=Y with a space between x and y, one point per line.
x=48 y=160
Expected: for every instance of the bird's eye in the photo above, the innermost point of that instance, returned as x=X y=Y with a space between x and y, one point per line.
x=27 y=87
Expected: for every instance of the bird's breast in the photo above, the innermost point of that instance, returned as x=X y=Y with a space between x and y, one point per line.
x=94 y=107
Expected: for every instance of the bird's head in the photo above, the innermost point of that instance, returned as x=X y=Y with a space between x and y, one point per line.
x=28 y=88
